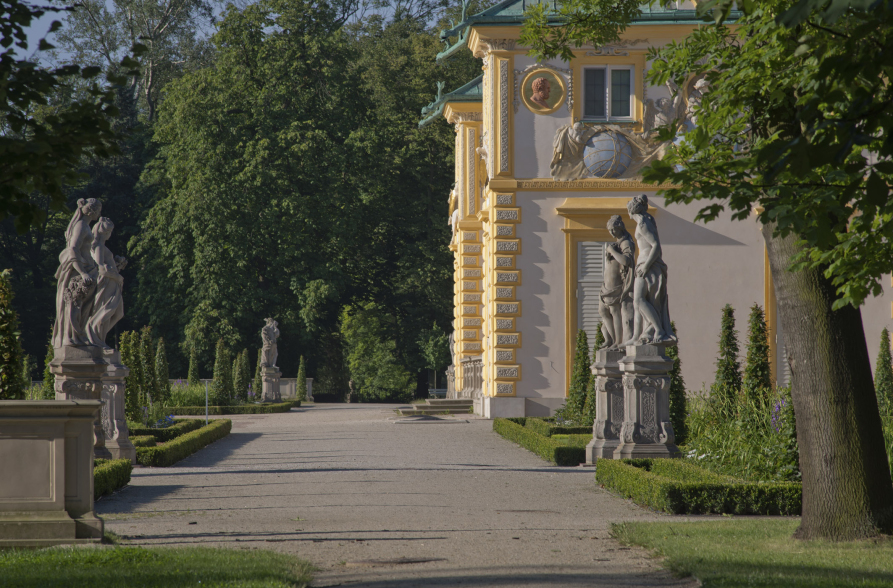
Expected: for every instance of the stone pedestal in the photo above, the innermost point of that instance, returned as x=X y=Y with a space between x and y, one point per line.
x=114 y=424
x=46 y=490
x=646 y=430
x=78 y=371
x=271 y=377
x=609 y=405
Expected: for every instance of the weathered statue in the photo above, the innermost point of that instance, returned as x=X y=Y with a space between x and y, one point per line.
x=695 y=98
x=616 y=296
x=108 y=304
x=76 y=278
x=567 y=156
x=269 y=334
x=650 y=300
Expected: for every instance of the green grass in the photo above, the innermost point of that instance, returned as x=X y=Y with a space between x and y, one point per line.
x=137 y=567
x=761 y=553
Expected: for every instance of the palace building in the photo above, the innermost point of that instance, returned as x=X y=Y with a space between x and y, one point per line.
x=546 y=153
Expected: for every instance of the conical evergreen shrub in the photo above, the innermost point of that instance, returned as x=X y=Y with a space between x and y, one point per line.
x=132 y=393
x=48 y=388
x=258 y=378
x=301 y=384
x=162 y=374
x=147 y=367
x=590 y=405
x=10 y=346
x=883 y=376
x=222 y=391
x=193 y=378
x=245 y=369
x=237 y=378
x=757 y=381
x=727 y=384
x=580 y=379
x=678 y=400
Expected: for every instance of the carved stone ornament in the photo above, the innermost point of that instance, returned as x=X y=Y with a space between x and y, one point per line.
x=615 y=49
x=489 y=45
x=561 y=89
x=461 y=117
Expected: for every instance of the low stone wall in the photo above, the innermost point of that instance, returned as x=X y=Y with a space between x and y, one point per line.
x=46 y=456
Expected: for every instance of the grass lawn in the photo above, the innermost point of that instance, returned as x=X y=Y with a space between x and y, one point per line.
x=137 y=567
x=761 y=552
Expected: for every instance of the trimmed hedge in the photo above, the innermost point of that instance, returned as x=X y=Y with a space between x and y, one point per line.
x=237 y=409
x=110 y=475
x=180 y=427
x=143 y=441
x=680 y=487
x=558 y=451
x=183 y=446
x=547 y=428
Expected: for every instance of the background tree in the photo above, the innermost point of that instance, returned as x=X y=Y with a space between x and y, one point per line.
x=133 y=401
x=883 y=376
x=146 y=360
x=377 y=374
x=580 y=378
x=301 y=384
x=435 y=347
x=48 y=386
x=10 y=349
x=727 y=383
x=162 y=375
x=258 y=384
x=237 y=378
x=757 y=380
x=221 y=386
x=193 y=377
x=590 y=407
x=245 y=369
x=678 y=398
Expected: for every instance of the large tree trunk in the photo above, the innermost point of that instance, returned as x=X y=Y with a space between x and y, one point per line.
x=847 y=492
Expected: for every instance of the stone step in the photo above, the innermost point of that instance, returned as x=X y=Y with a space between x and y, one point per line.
x=449 y=402
x=421 y=409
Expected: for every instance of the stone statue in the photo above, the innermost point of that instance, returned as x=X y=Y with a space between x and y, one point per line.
x=108 y=305
x=695 y=98
x=76 y=278
x=650 y=300
x=541 y=91
x=269 y=334
x=616 y=296
x=567 y=157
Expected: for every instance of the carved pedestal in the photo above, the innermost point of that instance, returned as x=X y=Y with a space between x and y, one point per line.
x=114 y=424
x=646 y=431
x=609 y=405
x=271 y=377
x=78 y=371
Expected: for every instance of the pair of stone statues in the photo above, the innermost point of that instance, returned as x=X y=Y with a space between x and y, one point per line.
x=633 y=301
x=89 y=294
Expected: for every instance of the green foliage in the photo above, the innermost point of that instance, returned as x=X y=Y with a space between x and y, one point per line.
x=678 y=487
x=237 y=379
x=184 y=445
x=727 y=382
x=883 y=376
x=236 y=409
x=435 y=345
x=193 y=377
x=678 y=399
x=567 y=452
x=143 y=441
x=548 y=427
x=372 y=356
x=47 y=389
x=110 y=475
x=180 y=427
x=128 y=344
x=301 y=384
x=27 y=368
x=258 y=385
x=146 y=359
x=581 y=382
x=753 y=439
x=590 y=406
x=10 y=349
x=757 y=381
x=188 y=395
x=221 y=387
x=162 y=376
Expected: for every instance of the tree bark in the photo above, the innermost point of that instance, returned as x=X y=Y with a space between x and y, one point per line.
x=847 y=490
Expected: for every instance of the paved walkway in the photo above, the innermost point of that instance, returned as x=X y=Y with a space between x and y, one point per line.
x=362 y=495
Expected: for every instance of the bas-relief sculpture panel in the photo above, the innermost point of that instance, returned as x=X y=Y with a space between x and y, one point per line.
x=533 y=132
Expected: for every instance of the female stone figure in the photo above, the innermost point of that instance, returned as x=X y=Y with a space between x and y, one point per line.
x=108 y=305
x=650 y=301
x=616 y=296
x=269 y=334
x=76 y=278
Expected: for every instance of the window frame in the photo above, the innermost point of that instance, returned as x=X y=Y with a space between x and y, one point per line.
x=608 y=68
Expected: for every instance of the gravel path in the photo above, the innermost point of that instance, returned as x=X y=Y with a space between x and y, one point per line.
x=376 y=501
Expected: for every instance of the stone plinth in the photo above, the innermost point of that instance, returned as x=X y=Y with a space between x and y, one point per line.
x=646 y=430
x=114 y=424
x=609 y=405
x=46 y=456
x=271 y=376
x=78 y=371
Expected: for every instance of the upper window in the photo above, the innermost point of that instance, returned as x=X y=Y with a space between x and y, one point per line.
x=608 y=92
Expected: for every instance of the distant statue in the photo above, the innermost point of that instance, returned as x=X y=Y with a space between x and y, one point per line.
x=695 y=99
x=650 y=300
x=108 y=305
x=568 y=147
x=76 y=277
x=616 y=296
x=269 y=334
x=541 y=91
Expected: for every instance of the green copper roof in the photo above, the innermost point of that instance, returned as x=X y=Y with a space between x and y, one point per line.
x=473 y=91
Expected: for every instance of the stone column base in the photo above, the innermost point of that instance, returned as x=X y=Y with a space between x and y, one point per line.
x=271 y=376
x=78 y=371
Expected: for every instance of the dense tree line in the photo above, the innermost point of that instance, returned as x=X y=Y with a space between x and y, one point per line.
x=274 y=168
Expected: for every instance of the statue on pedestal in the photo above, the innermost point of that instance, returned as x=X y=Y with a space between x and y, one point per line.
x=616 y=295
x=269 y=334
x=76 y=278
x=108 y=305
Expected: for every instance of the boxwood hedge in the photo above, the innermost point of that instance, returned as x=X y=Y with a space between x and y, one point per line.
x=184 y=445
x=547 y=427
x=143 y=441
x=110 y=475
x=680 y=487
x=237 y=409
x=570 y=451
x=179 y=427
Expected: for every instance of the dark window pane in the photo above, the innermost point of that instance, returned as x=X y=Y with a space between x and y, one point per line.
x=594 y=93
x=620 y=80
